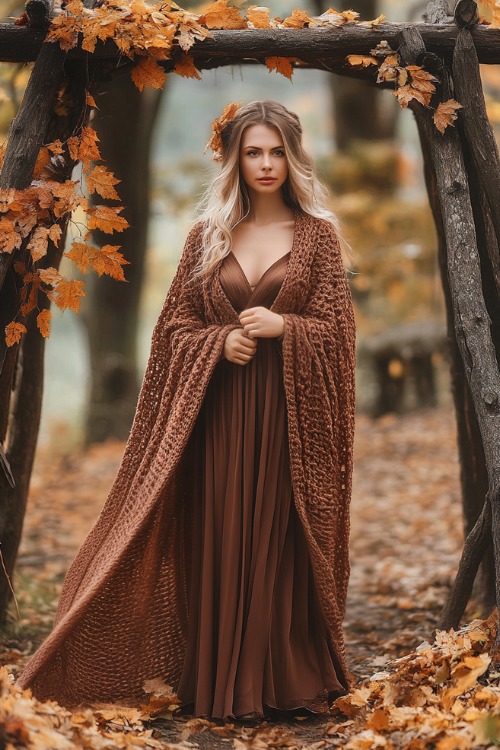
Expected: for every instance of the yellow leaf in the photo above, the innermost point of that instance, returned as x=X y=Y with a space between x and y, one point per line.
x=89 y=99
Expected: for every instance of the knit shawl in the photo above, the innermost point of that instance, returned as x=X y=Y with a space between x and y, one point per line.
x=123 y=613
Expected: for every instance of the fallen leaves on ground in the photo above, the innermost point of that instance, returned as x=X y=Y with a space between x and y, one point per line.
x=409 y=690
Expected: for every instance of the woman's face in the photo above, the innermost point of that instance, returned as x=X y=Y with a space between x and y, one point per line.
x=263 y=163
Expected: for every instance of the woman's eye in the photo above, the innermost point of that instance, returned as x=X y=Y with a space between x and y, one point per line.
x=278 y=152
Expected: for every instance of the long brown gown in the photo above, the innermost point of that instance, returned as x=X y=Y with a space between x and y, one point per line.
x=255 y=636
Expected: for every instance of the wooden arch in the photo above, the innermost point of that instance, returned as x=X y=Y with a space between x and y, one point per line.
x=462 y=171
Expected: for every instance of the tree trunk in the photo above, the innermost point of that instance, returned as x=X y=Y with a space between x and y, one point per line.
x=21 y=378
x=114 y=385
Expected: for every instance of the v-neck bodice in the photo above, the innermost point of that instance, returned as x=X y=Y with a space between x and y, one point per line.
x=238 y=290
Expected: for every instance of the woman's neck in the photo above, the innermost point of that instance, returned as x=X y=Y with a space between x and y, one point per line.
x=265 y=209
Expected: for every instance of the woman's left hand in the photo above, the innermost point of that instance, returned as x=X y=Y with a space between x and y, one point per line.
x=261 y=322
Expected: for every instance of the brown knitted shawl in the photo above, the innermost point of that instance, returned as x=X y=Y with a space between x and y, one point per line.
x=122 y=616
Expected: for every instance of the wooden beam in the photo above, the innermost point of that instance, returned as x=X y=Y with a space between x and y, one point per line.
x=22 y=44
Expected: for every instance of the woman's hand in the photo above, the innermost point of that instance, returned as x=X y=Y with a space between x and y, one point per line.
x=261 y=322
x=239 y=347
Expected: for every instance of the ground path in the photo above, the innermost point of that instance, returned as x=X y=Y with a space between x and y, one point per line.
x=406 y=537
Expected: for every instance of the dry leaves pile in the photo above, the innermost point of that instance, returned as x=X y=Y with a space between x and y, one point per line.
x=439 y=696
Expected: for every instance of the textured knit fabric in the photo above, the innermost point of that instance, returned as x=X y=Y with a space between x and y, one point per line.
x=256 y=636
x=122 y=617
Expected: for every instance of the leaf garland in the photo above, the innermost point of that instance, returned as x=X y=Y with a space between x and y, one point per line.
x=32 y=218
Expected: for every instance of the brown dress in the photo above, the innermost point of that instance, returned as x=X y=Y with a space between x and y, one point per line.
x=256 y=636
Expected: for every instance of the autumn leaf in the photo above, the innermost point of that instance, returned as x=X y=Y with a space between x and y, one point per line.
x=89 y=99
x=280 y=65
x=49 y=275
x=445 y=114
x=14 y=332
x=10 y=240
x=363 y=60
x=43 y=322
x=257 y=17
x=106 y=219
x=84 y=148
x=185 y=67
x=218 y=125
x=67 y=293
x=107 y=260
x=147 y=72
x=80 y=253
x=42 y=160
x=38 y=243
x=55 y=146
x=376 y=21
x=221 y=16
x=101 y=181
x=389 y=68
x=298 y=20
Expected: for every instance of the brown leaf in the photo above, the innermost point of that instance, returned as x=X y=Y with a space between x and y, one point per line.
x=446 y=114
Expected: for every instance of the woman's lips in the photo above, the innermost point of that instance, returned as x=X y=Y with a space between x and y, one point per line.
x=266 y=179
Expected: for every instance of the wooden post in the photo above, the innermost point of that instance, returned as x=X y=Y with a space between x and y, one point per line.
x=21 y=378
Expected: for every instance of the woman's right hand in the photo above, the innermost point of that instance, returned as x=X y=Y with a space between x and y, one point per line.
x=239 y=347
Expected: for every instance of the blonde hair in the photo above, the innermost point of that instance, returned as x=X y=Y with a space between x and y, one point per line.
x=226 y=202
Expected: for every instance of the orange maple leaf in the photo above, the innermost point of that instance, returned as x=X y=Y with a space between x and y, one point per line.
x=43 y=322
x=80 y=253
x=147 y=72
x=281 y=65
x=363 y=60
x=106 y=219
x=13 y=333
x=101 y=181
x=10 y=239
x=38 y=243
x=109 y=261
x=67 y=293
x=185 y=66
x=220 y=16
x=257 y=17
x=298 y=20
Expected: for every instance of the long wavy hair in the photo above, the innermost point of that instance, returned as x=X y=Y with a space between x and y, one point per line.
x=226 y=201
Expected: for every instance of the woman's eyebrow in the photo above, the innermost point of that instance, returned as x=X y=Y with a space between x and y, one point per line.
x=259 y=148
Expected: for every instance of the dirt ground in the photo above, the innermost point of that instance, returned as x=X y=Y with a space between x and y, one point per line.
x=406 y=537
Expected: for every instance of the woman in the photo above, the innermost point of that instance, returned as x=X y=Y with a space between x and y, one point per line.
x=219 y=563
